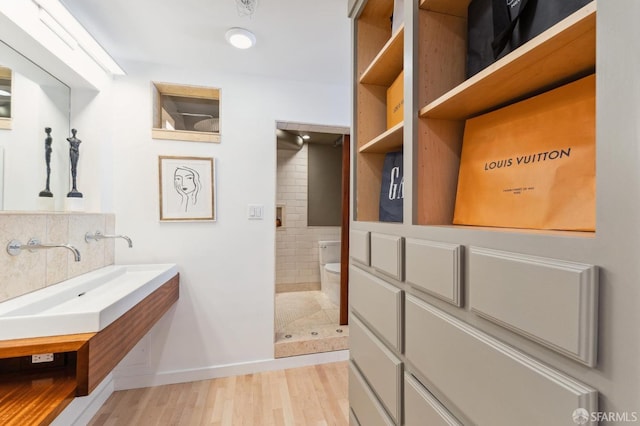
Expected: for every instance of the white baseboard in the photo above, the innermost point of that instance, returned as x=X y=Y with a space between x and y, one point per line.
x=82 y=409
x=128 y=381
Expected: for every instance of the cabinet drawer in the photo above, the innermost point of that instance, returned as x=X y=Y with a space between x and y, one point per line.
x=492 y=383
x=353 y=421
x=382 y=370
x=359 y=246
x=364 y=405
x=386 y=254
x=435 y=268
x=552 y=302
x=422 y=408
x=378 y=303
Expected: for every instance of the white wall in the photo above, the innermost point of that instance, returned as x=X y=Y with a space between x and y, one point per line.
x=225 y=312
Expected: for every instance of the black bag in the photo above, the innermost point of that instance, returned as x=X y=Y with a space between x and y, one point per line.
x=392 y=191
x=497 y=27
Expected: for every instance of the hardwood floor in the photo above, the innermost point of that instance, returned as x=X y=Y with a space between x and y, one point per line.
x=314 y=395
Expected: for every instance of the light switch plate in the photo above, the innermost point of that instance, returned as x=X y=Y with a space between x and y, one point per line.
x=255 y=212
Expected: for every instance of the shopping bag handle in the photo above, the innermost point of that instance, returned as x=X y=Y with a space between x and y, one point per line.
x=502 y=31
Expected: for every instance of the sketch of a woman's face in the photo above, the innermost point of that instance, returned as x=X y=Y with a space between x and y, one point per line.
x=185 y=180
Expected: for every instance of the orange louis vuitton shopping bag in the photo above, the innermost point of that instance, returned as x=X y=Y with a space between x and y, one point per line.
x=532 y=164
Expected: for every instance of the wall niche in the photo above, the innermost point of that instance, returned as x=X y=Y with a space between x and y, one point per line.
x=186 y=113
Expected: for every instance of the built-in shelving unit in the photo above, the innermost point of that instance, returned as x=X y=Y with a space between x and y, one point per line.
x=379 y=61
x=451 y=321
x=446 y=98
x=563 y=53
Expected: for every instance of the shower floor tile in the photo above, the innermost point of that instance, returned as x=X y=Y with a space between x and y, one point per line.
x=307 y=322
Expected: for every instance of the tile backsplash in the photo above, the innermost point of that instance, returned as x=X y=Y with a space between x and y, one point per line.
x=31 y=271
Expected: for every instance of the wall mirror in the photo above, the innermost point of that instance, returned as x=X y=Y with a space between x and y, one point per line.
x=5 y=97
x=37 y=100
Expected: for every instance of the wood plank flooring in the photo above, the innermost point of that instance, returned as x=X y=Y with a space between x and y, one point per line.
x=314 y=395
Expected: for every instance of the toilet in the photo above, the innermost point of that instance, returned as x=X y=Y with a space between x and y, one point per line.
x=329 y=257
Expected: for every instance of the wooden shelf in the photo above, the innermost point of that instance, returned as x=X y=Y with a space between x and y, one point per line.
x=41 y=345
x=37 y=399
x=387 y=64
x=391 y=140
x=564 y=52
x=185 y=135
x=545 y=232
x=447 y=7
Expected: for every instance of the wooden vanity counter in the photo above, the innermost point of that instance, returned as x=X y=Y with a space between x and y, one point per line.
x=35 y=394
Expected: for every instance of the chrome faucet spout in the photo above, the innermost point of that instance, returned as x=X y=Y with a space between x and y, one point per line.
x=15 y=247
x=96 y=236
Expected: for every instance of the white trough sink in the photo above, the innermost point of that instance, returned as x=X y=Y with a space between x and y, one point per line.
x=84 y=304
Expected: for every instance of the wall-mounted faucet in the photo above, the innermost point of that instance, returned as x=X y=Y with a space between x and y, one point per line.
x=96 y=236
x=15 y=247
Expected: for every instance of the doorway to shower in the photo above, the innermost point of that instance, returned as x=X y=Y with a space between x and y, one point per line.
x=312 y=208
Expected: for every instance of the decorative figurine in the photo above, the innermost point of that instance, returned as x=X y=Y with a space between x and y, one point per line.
x=47 y=158
x=74 y=154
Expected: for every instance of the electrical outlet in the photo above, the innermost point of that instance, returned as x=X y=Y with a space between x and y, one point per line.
x=37 y=359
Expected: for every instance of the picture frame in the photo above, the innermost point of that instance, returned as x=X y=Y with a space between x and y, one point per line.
x=187 y=189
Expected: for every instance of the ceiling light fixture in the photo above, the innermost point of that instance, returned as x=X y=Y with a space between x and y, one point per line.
x=240 y=38
x=306 y=137
x=58 y=19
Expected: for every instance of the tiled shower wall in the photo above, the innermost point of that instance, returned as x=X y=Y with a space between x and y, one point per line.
x=31 y=271
x=297 y=266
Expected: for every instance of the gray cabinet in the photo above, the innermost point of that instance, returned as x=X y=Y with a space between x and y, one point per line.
x=541 y=322
x=377 y=303
x=379 y=365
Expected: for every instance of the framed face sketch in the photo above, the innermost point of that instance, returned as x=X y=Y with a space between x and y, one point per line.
x=187 y=188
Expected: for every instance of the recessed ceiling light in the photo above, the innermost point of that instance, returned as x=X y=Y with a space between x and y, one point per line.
x=306 y=137
x=240 y=38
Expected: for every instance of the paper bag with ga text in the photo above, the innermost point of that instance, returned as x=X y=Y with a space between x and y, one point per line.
x=532 y=164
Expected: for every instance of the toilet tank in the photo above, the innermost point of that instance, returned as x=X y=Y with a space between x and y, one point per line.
x=329 y=252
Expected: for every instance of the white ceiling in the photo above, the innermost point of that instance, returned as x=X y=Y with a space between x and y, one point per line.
x=304 y=40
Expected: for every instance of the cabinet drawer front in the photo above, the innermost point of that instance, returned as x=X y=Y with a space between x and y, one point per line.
x=381 y=368
x=435 y=268
x=378 y=303
x=359 y=246
x=353 y=421
x=386 y=254
x=492 y=383
x=422 y=408
x=364 y=405
x=549 y=301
